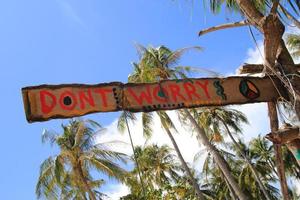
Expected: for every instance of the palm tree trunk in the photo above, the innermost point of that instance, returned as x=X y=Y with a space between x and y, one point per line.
x=79 y=172
x=232 y=194
x=273 y=166
x=218 y=158
x=186 y=168
x=278 y=154
x=255 y=173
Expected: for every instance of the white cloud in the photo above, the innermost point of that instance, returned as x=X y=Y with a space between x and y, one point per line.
x=257 y=115
x=184 y=137
x=117 y=191
x=255 y=55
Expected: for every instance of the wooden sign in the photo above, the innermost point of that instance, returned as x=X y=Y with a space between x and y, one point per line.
x=69 y=100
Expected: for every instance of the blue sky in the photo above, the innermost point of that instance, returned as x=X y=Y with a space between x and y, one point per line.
x=90 y=41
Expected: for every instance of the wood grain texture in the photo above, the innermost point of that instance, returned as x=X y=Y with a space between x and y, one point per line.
x=46 y=102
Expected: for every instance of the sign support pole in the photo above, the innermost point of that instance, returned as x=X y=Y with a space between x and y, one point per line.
x=278 y=152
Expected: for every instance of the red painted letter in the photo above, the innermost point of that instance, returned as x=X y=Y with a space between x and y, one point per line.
x=204 y=87
x=144 y=95
x=83 y=98
x=102 y=93
x=190 y=90
x=45 y=107
x=175 y=90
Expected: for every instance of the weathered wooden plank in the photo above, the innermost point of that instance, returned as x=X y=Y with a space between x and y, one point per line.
x=258 y=68
x=69 y=100
x=284 y=136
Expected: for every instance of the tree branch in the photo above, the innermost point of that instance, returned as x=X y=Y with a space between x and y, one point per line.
x=258 y=68
x=223 y=26
x=251 y=12
x=284 y=136
x=274 y=7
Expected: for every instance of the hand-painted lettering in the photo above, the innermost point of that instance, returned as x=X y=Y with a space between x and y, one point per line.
x=103 y=94
x=68 y=100
x=190 y=91
x=45 y=107
x=143 y=96
x=204 y=86
x=175 y=91
x=86 y=97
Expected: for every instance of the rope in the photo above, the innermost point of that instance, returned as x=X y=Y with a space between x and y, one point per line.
x=267 y=66
x=135 y=157
x=286 y=82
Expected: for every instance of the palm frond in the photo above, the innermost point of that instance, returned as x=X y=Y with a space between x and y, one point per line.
x=109 y=168
x=122 y=120
x=58 y=169
x=174 y=57
x=147 y=119
x=110 y=155
x=44 y=186
x=140 y=49
x=49 y=136
x=195 y=70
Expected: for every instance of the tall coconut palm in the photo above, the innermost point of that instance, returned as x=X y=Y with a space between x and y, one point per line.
x=216 y=181
x=214 y=178
x=222 y=164
x=162 y=175
x=158 y=64
x=158 y=167
x=248 y=176
x=67 y=174
x=154 y=66
x=220 y=120
x=264 y=151
x=158 y=164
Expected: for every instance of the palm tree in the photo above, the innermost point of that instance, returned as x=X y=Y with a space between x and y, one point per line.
x=162 y=175
x=293 y=42
x=156 y=64
x=252 y=169
x=222 y=164
x=67 y=174
x=216 y=119
x=216 y=181
x=158 y=164
x=264 y=152
x=151 y=68
x=158 y=167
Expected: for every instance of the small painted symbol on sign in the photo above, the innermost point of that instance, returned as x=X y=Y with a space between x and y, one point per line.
x=161 y=93
x=220 y=89
x=249 y=90
x=67 y=100
x=297 y=154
